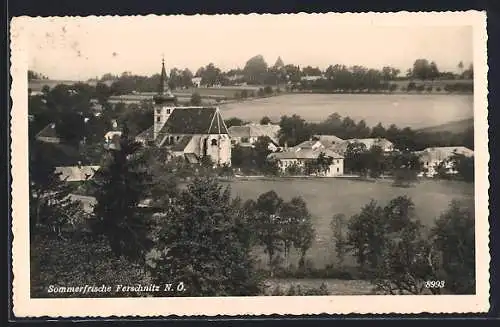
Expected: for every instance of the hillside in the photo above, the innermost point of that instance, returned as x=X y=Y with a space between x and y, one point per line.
x=458 y=126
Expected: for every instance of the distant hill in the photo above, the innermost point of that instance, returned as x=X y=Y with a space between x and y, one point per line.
x=458 y=126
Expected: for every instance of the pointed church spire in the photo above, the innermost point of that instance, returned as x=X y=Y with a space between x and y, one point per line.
x=164 y=93
x=164 y=90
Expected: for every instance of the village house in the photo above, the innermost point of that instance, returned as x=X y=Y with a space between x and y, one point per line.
x=191 y=132
x=48 y=134
x=248 y=134
x=329 y=141
x=196 y=81
x=431 y=158
x=311 y=78
x=306 y=152
x=76 y=173
x=386 y=145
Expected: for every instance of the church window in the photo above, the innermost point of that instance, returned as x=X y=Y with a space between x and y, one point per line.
x=214 y=142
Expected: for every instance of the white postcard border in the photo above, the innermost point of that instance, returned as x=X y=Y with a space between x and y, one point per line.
x=24 y=306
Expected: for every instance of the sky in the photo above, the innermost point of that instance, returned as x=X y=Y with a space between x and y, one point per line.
x=83 y=48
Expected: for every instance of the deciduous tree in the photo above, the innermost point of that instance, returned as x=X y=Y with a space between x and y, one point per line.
x=203 y=244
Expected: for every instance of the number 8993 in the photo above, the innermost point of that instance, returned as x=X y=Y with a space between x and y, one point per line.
x=434 y=284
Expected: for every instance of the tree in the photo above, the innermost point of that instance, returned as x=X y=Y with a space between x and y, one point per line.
x=338 y=226
x=265 y=120
x=366 y=235
x=195 y=99
x=210 y=75
x=255 y=70
x=390 y=245
x=433 y=71
x=469 y=72
x=422 y=69
x=454 y=237
x=355 y=158
x=70 y=127
x=296 y=227
x=293 y=130
x=460 y=67
x=204 y=243
x=378 y=131
x=268 y=224
x=405 y=166
x=51 y=208
x=234 y=122
x=464 y=166
x=261 y=147
x=405 y=267
x=362 y=131
x=186 y=78
x=375 y=161
x=119 y=187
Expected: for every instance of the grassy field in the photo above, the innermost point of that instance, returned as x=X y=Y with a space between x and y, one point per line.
x=435 y=84
x=454 y=127
x=412 y=110
x=327 y=197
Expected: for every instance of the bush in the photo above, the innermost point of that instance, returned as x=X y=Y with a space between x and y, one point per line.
x=268 y=90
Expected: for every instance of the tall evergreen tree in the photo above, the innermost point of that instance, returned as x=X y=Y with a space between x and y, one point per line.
x=119 y=188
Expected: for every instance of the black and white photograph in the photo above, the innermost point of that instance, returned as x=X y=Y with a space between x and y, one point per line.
x=262 y=158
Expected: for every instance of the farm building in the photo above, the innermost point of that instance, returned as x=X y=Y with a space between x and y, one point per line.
x=306 y=152
x=248 y=134
x=431 y=158
x=386 y=145
x=48 y=134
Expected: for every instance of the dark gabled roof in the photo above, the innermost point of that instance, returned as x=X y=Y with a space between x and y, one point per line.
x=194 y=120
x=181 y=144
x=60 y=154
x=147 y=134
x=48 y=131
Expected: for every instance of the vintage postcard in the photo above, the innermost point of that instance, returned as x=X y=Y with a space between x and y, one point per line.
x=249 y=164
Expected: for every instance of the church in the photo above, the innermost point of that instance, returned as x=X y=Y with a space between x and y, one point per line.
x=190 y=132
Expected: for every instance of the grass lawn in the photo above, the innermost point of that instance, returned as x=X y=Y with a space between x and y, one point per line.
x=327 y=197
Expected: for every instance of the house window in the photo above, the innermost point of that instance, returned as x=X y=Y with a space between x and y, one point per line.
x=214 y=142
x=168 y=111
x=338 y=170
x=158 y=119
x=177 y=138
x=158 y=111
x=244 y=139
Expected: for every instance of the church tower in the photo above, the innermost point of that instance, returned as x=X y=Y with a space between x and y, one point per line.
x=164 y=102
